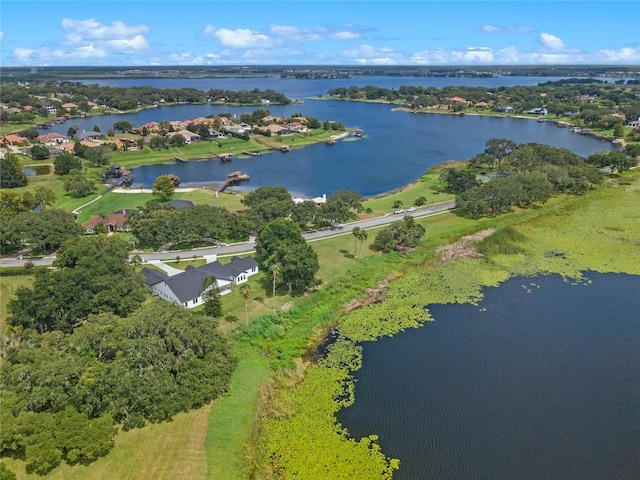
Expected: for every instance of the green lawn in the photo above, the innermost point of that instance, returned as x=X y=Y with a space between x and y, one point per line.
x=231 y=420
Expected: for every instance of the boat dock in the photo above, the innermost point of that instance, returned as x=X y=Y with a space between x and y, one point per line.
x=233 y=179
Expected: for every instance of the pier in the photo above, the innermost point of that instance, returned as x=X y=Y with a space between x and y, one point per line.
x=233 y=179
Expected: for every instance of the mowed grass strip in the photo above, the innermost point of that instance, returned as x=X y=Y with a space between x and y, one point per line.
x=231 y=420
x=164 y=451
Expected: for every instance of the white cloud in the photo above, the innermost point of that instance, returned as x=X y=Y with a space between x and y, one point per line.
x=239 y=38
x=86 y=41
x=552 y=42
x=369 y=55
x=90 y=29
x=488 y=28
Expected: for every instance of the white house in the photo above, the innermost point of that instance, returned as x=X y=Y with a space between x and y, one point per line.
x=634 y=124
x=186 y=288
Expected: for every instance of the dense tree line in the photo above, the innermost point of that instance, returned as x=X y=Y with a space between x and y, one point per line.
x=43 y=231
x=269 y=203
x=523 y=174
x=596 y=101
x=126 y=98
x=159 y=224
x=92 y=275
x=63 y=394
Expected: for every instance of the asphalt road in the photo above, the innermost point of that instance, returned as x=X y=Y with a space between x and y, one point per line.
x=244 y=247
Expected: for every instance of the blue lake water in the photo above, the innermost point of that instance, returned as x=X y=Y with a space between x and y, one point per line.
x=397 y=149
x=541 y=380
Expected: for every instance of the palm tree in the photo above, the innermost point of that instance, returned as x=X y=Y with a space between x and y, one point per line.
x=356 y=233
x=245 y=291
x=275 y=269
x=362 y=236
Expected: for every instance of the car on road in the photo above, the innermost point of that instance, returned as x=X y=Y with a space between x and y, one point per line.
x=411 y=209
x=398 y=212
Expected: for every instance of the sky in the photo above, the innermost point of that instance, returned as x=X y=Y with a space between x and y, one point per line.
x=329 y=32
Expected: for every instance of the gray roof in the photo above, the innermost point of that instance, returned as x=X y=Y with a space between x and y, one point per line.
x=189 y=284
x=182 y=204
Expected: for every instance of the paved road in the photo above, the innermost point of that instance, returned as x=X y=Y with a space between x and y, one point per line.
x=245 y=247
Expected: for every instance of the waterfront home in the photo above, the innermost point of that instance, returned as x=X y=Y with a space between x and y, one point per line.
x=53 y=139
x=189 y=137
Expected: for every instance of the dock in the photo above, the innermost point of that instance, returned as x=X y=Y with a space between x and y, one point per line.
x=233 y=179
x=285 y=148
x=225 y=157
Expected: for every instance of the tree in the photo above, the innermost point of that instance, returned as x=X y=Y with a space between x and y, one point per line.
x=39 y=152
x=96 y=128
x=458 y=180
x=618 y=130
x=123 y=126
x=98 y=155
x=499 y=149
x=613 y=160
x=163 y=188
x=44 y=196
x=44 y=231
x=399 y=235
x=211 y=297
x=78 y=185
x=268 y=203
x=275 y=270
x=11 y=174
x=273 y=236
x=64 y=163
x=362 y=236
x=177 y=140
x=92 y=275
x=245 y=291
x=281 y=243
x=356 y=234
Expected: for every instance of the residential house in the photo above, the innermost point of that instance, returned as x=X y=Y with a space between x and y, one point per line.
x=88 y=136
x=189 y=137
x=13 y=139
x=53 y=139
x=481 y=105
x=276 y=129
x=186 y=288
x=152 y=127
x=69 y=106
x=115 y=222
x=634 y=124
x=297 y=127
x=51 y=110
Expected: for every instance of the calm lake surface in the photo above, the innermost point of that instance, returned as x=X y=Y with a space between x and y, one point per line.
x=399 y=147
x=541 y=380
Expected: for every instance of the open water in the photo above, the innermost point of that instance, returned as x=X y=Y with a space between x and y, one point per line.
x=541 y=380
x=397 y=149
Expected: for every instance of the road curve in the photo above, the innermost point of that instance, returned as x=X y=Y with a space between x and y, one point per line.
x=244 y=247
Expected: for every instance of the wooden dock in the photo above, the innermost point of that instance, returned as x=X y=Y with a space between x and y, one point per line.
x=233 y=179
x=224 y=157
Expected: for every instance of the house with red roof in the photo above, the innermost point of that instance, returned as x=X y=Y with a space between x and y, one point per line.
x=115 y=222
